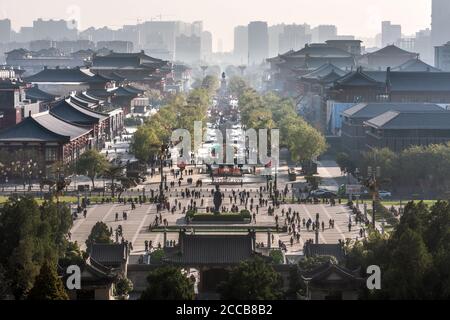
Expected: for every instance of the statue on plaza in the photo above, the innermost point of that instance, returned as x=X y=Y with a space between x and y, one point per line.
x=217 y=199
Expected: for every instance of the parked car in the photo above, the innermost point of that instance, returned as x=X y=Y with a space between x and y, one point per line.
x=323 y=193
x=385 y=194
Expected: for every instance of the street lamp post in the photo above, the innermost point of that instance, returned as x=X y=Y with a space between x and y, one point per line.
x=161 y=169
x=373 y=184
x=317 y=228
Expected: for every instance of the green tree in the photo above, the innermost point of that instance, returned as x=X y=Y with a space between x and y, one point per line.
x=4 y=284
x=237 y=86
x=252 y=280
x=100 y=233
x=114 y=173
x=168 y=283
x=211 y=83
x=123 y=286
x=414 y=257
x=345 y=163
x=30 y=235
x=409 y=253
x=48 y=285
x=92 y=164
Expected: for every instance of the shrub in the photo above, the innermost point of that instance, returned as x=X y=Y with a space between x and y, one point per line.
x=123 y=286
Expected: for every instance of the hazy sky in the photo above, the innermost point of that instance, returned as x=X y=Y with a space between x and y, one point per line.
x=359 y=17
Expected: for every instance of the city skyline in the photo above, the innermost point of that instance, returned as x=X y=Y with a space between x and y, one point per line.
x=366 y=17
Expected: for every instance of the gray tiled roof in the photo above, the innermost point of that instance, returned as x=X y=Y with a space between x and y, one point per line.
x=213 y=249
x=399 y=80
x=63 y=75
x=415 y=65
x=324 y=71
x=390 y=50
x=430 y=120
x=360 y=78
x=43 y=127
x=419 y=81
x=371 y=110
x=127 y=61
x=334 y=250
x=73 y=113
x=125 y=92
x=318 y=50
x=321 y=275
x=109 y=254
x=34 y=93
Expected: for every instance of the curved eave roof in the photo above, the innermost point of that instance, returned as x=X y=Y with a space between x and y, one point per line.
x=72 y=113
x=43 y=127
x=35 y=93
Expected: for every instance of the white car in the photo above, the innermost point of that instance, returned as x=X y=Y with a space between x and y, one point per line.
x=385 y=194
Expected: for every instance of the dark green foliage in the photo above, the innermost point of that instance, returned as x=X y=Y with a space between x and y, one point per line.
x=168 y=283
x=123 y=286
x=100 y=234
x=277 y=256
x=424 y=170
x=29 y=236
x=48 y=286
x=157 y=256
x=414 y=259
x=252 y=280
x=92 y=164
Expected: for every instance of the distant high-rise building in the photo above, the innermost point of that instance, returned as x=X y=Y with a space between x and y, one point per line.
x=423 y=46
x=258 y=42
x=406 y=43
x=207 y=44
x=322 y=33
x=275 y=32
x=294 y=37
x=442 y=57
x=5 y=31
x=54 y=30
x=440 y=22
x=220 y=45
x=390 y=33
x=197 y=28
x=96 y=35
x=117 y=46
x=241 y=44
x=188 y=48
x=25 y=34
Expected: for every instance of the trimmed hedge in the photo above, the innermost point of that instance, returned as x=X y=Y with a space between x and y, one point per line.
x=224 y=217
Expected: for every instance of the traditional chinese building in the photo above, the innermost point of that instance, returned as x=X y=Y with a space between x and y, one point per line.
x=97 y=282
x=63 y=81
x=48 y=137
x=212 y=255
x=72 y=112
x=333 y=282
x=286 y=68
x=135 y=67
x=389 y=56
x=354 y=130
x=392 y=86
x=400 y=130
x=33 y=62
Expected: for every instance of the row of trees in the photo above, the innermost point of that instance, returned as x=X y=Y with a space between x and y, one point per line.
x=95 y=165
x=414 y=259
x=181 y=112
x=33 y=238
x=270 y=111
x=417 y=169
x=251 y=280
